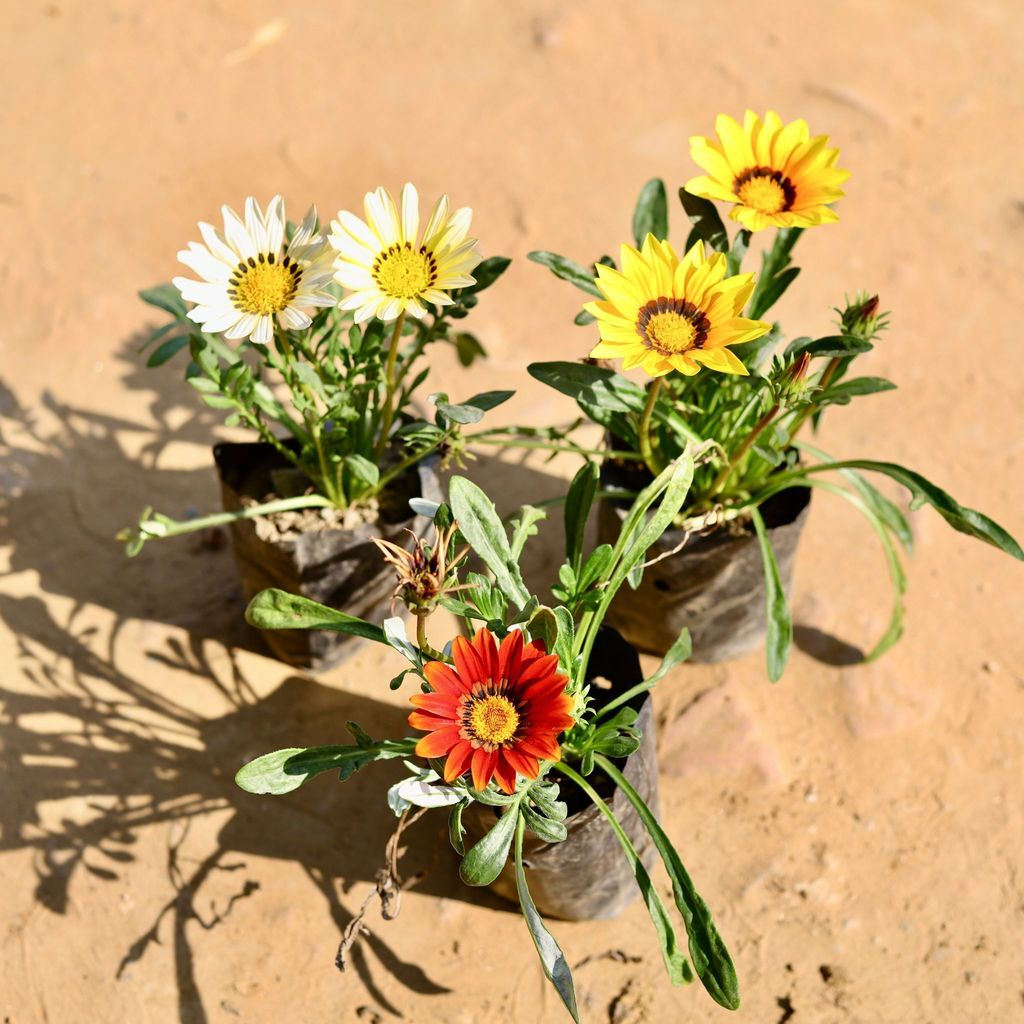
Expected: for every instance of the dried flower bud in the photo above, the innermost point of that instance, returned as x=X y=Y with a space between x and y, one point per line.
x=425 y=573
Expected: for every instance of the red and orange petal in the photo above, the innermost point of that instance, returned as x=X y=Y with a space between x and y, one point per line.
x=532 y=684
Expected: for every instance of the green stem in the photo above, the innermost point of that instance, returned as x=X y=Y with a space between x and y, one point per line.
x=807 y=411
x=548 y=446
x=389 y=383
x=312 y=418
x=646 y=451
x=755 y=432
x=157 y=529
x=409 y=460
x=416 y=351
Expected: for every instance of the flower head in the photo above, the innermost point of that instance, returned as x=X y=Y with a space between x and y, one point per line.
x=862 y=317
x=390 y=267
x=496 y=712
x=250 y=276
x=775 y=174
x=426 y=573
x=664 y=313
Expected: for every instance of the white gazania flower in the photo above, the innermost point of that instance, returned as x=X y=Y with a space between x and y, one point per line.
x=390 y=268
x=249 y=276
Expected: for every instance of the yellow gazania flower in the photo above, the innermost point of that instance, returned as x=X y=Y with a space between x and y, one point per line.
x=775 y=174
x=664 y=313
x=390 y=268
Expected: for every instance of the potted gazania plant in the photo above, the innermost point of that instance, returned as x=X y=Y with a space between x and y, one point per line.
x=537 y=732
x=725 y=567
x=327 y=383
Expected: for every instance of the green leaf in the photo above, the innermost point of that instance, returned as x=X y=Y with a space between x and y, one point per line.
x=524 y=526
x=709 y=954
x=780 y=625
x=277 y=609
x=479 y=524
x=707 y=223
x=468 y=348
x=591 y=385
x=679 y=652
x=578 y=502
x=840 y=394
x=285 y=770
x=543 y=626
x=567 y=269
x=456 y=830
x=887 y=511
x=583 y=318
x=552 y=959
x=473 y=409
x=543 y=827
x=651 y=213
x=361 y=471
x=773 y=263
x=165 y=351
x=486 y=273
x=835 y=345
x=167 y=298
x=675 y=962
x=740 y=244
x=773 y=291
x=965 y=520
x=483 y=863
x=899 y=579
x=565 y=639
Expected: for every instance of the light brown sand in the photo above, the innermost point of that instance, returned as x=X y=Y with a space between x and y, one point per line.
x=857 y=829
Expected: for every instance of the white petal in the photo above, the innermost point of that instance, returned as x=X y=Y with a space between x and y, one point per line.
x=382 y=216
x=199 y=291
x=275 y=224
x=305 y=231
x=367 y=310
x=351 y=276
x=390 y=309
x=197 y=257
x=410 y=213
x=215 y=243
x=294 y=319
x=236 y=235
x=458 y=226
x=254 y=224
x=360 y=232
x=414 y=308
x=243 y=328
x=219 y=323
x=436 y=223
x=264 y=330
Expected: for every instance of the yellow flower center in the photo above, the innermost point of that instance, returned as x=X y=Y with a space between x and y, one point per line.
x=493 y=719
x=403 y=272
x=264 y=286
x=670 y=332
x=670 y=325
x=765 y=190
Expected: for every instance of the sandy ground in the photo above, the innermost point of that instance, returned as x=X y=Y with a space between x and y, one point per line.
x=857 y=829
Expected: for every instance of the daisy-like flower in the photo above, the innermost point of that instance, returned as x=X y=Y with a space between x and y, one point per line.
x=391 y=268
x=775 y=174
x=663 y=313
x=497 y=712
x=249 y=276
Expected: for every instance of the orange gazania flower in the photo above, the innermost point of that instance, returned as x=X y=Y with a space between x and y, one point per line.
x=496 y=712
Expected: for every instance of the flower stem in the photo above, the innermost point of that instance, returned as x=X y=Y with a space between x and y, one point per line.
x=389 y=379
x=755 y=432
x=646 y=451
x=807 y=411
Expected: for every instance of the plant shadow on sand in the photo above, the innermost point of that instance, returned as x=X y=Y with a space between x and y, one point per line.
x=125 y=756
x=117 y=755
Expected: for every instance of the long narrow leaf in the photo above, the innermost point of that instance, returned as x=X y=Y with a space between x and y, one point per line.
x=651 y=214
x=711 y=959
x=779 y=621
x=277 y=609
x=483 y=529
x=578 y=501
x=552 y=959
x=675 y=963
x=677 y=653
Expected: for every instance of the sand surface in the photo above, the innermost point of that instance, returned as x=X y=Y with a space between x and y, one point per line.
x=857 y=829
